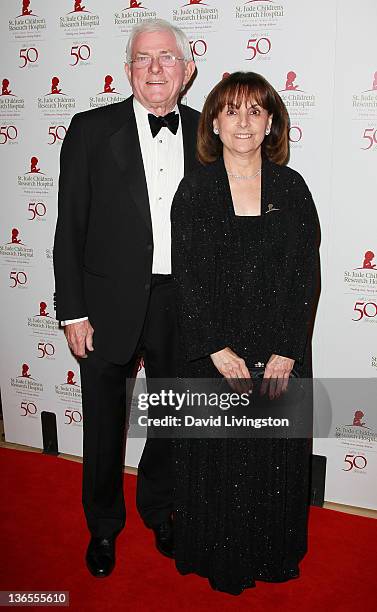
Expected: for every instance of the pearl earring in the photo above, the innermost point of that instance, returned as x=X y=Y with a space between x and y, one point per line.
x=216 y=131
x=267 y=131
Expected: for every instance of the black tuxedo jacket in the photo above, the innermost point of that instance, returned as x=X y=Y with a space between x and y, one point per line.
x=103 y=242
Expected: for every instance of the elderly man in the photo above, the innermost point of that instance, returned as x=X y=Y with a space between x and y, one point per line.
x=120 y=168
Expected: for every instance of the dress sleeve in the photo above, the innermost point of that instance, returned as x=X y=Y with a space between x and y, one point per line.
x=194 y=270
x=302 y=266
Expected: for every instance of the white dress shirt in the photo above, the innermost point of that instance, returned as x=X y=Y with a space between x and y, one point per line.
x=163 y=161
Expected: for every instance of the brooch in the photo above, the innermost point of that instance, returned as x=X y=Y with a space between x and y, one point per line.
x=271 y=207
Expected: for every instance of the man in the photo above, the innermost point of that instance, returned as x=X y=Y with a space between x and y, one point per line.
x=120 y=167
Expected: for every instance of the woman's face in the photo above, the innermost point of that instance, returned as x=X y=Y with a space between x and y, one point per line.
x=242 y=130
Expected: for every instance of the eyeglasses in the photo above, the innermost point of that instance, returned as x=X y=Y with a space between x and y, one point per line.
x=167 y=60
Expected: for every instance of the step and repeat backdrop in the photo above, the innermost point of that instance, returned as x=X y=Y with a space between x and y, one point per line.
x=62 y=57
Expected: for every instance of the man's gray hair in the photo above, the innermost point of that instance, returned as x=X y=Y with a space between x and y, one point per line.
x=160 y=25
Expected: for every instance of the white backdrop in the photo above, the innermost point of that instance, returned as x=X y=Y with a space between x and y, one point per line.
x=321 y=56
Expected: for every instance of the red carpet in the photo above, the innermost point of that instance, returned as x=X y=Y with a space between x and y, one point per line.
x=44 y=537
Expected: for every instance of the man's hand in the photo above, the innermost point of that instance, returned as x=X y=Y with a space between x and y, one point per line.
x=79 y=337
x=276 y=375
x=233 y=367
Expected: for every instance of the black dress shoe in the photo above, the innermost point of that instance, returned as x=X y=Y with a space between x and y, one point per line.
x=164 y=536
x=100 y=556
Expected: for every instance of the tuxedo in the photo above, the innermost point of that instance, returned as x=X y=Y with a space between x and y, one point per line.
x=103 y=256
x=103 y=247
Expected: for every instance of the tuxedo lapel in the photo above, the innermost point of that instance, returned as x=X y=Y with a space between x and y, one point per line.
x=189 y=131
x=126 y=149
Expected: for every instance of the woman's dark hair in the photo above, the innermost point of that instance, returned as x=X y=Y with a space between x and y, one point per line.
x=234 y=89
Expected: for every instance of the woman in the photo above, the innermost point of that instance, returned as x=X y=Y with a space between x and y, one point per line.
x=245 y=257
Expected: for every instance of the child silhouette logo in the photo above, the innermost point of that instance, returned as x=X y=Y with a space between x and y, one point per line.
x=33 y=165
x=15 y=239
x=25 y=7
x=42 y=309
x=368 y=258
x=289 y=84
x=374 y=84
x=107 y=86
x=357 y=419
x=25 y=371
x=5 y=91
x=70 y=378
x=54 y=86
x=77 y=8
x=192 y=2
x=135 y=4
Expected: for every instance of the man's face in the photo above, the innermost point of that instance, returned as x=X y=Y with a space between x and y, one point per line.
x=157 y=87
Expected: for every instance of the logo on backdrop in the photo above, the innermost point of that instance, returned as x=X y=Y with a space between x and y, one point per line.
x=374 y=84
x=108 y=94
x=196 y=16
x=26 y=9
x=43 y=323
x=25 y=371
x=290 y=83
x=15 y=251
x=131 y=15
x=368 y=261
x=71 y=378
x=34 y=181
x=27 y=25
x=373 y=362
x=5 y=90
x=11 y=104
x=69 y=390
x=357 y=428
x=107 y=85
x=358 y=419
x=34 y=166
x=24 y=382
x=80 y=20
x=77 y=8
x=134 y=4
x=298 y=101
x=259 y=14
x=362 y=279
x=56 y=103
x=15 y=238
x=191 y=2
x=364 y=103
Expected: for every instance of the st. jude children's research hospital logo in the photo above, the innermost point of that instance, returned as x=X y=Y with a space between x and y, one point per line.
x=27 y=24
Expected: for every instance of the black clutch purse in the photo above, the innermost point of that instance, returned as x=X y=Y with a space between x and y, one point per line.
x=258 y=372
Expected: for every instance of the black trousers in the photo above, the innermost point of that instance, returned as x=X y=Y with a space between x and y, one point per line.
x=104 y=403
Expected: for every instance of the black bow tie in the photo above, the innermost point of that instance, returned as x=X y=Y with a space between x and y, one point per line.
x=171 y=121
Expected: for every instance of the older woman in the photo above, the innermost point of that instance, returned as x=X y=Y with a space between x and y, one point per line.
x=245 y=257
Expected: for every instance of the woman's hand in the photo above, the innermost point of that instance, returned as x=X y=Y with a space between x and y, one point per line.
x=233 y=367
x=276 y=375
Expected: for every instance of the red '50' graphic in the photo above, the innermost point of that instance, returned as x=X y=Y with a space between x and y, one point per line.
x=260 y=46
x=28 y=408
x=355 y=461
x=8 y=132
x=365 y=309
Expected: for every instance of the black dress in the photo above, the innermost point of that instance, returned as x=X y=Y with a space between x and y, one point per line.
x=249 y=283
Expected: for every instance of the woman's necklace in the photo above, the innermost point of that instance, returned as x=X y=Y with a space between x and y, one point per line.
x=244 y=176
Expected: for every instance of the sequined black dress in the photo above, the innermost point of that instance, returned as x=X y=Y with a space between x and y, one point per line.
x=249 y=283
